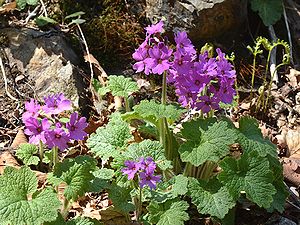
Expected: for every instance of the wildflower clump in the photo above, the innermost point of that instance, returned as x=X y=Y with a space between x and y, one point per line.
x=201 y=82
x=44 y=123
x=144 y=169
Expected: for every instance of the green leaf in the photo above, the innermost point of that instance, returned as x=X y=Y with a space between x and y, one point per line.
x=77 y=21
x=110 y=140
x=83 y=221
x=270 y=11
x=180 y=185
x=21 y=4
x=101 y=180
x=210 y=197
x=212 y=143
x=192 y=129
x=152 y=112
x=48 y=156
x=43 y=21
x=252 y=174
x=21 y=203
x=76 y=173
x=170 y=213
x=121 y=86
x=251 y=139
x=145 y=149
x=76 y=14
x=120 y=197
x=26 y=154
x=32 y=2
x=279 y=199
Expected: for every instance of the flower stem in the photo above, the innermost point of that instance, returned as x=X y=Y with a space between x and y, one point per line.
x=253 y=75
x=55 y=156
x=164 y=89
x=65 y=209
x=41 y=151
x=139 y=208
x=127 y=107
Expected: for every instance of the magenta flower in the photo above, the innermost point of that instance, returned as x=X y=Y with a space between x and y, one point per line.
x=57 y=137
x=36 y=130
x=76 y=127
x=32 y=110
x=149 y=180
x=57 y=103
x=148 y=165
x=143 y=62
x=131 y=169
x=160 y=55
x=155 y=28
x=184 y=44
x=206 y=104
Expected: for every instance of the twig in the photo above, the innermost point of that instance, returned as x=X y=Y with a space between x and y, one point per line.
x=289 y=33
x=44 y=8
x=87 y=52
x=293 y=196
x=5 y=81
x=32 y=14
x=273 y=55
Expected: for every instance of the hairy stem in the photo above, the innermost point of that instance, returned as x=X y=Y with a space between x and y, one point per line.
x=65 y=209
x=127 y=107
x=41 y=151
x=55 y=156
x=253 y=75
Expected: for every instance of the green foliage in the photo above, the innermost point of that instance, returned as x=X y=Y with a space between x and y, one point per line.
x=43 y=21
x=48 y=156
x=120 y=197
x=26 y=154
x=121 y=86
x=101 y=90
x=21 y=203
x=169 y=213
x=74 y=221
x=180 y=186
x=76 y=173
x=109 y=141
x=251 y=174
x=76 y=14
x=101 y=180
x=207 y=142
x=152 y=112
x=251 y=139
x=83 y=221
x=21 y=4
x=210 y=197
x=270 y=11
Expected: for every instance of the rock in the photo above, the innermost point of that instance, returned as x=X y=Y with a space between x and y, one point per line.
x=46 y=59
x=202 y=18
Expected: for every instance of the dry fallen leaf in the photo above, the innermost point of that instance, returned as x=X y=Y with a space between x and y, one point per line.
x=6 y=8
x=291 y=171
x=294 y=78
x=7 y=159
x=293 y=142
x=19 y=139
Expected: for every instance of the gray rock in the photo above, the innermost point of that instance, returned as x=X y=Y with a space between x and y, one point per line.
x=47 y=60
x=202 y=18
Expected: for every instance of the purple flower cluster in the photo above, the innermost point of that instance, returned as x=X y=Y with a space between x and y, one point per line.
x=153 y=55
x=43 y=124
x=144 y=168
x=200 y=82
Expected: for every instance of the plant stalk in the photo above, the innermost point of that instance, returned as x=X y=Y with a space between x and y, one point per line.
x=55 y=156
x=127 y=107
x=41 y=151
